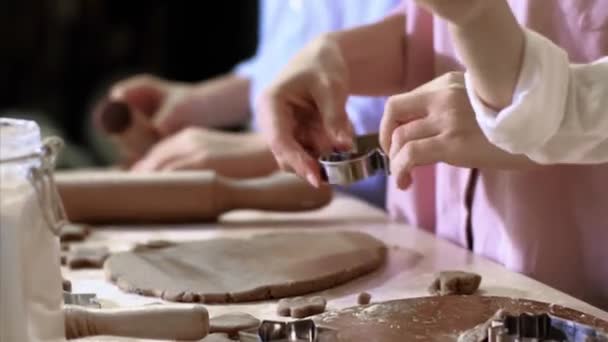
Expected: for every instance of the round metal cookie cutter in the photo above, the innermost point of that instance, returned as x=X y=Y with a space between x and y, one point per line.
x=344 y=168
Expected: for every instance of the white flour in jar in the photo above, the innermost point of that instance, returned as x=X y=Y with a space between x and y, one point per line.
x=30 y=278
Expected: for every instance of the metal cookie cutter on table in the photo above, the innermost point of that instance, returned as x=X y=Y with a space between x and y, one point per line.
x=297 y=331
x=543 y=327
x=344 y=168
x=81 y=299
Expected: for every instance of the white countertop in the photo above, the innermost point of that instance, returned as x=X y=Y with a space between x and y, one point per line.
x=414 y=258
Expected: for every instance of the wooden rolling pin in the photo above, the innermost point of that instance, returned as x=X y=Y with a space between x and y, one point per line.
x=185 y=196
x=160 y=322
x=131 y=130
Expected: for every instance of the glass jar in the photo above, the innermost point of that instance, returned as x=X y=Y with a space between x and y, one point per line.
x=31 y=216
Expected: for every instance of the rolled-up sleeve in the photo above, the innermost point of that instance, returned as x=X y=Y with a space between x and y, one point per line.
x=559 y=112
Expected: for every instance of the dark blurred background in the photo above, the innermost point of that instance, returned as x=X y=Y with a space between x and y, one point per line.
x=58 y=56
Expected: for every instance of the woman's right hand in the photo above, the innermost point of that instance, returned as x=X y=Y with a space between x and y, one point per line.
x=303 y=111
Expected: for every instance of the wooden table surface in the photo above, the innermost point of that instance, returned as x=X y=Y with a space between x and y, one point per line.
x=413 y=258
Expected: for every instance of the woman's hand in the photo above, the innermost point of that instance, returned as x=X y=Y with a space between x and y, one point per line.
x=435 y=123
x=303 y=111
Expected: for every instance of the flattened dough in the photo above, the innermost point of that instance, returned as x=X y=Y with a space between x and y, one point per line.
x=434 y=318
x=265 y=266
x=232 y=323
x=300 y=307
x=455 y=283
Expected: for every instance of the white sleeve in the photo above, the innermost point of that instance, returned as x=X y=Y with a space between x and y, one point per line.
x=559 y=112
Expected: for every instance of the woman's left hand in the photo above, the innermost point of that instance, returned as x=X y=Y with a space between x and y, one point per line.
x=436 y=123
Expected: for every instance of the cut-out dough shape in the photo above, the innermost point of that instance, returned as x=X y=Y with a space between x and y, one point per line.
x=455 y=283
x=300 y=307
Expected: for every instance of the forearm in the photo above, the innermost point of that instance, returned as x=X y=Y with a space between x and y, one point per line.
x=491 y=44
x=224 y=100
x=374 y=55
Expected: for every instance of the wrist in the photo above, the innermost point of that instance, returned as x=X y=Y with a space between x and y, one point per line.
x=480 y=15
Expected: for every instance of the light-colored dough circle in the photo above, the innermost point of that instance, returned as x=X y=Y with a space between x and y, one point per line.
x=265 y=266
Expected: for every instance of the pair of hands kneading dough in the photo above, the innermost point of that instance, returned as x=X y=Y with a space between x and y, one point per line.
x=181 y=196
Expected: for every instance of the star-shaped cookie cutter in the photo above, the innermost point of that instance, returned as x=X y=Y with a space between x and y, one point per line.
x=542 y=327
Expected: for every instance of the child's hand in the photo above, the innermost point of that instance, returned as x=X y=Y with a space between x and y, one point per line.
x=435 y=123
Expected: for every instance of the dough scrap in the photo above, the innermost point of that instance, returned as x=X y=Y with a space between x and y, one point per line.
x=266 y=266
x=63 y=258
x=74 y=232
x=66 y=285
x=455 y=283
x=232 y=323
x=87 y=257
x=153 y=244
x=300 y=307
x=364 y=298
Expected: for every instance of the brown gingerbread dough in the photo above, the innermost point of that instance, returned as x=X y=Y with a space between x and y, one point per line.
x=153 y=244
x=66 y=285
x=435 y=318
x=300 y=307
x=275 y=265
x=87 y=257
x=455 y=283
x=74 y=232
x=232 y=323
x=364 y=298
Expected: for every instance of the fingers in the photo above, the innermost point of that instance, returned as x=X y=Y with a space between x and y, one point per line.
x=292 y=157
x=411 y=131
x=196 y=161
x=285 y=136
x=400 y=110
x=143 y=92
x=330 y=101
x=415 y=153
x=163 y=153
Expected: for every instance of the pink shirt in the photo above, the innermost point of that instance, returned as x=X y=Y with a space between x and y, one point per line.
x=550 y=223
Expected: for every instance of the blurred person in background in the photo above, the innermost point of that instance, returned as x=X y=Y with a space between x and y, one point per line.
x=58 y=55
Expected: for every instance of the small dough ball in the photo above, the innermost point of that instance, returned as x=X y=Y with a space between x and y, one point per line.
x=66 y=285
x=455 y=283
x=364 y=298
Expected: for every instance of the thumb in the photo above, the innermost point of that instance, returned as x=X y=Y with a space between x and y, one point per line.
x=332 y=108
x=144 y=93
